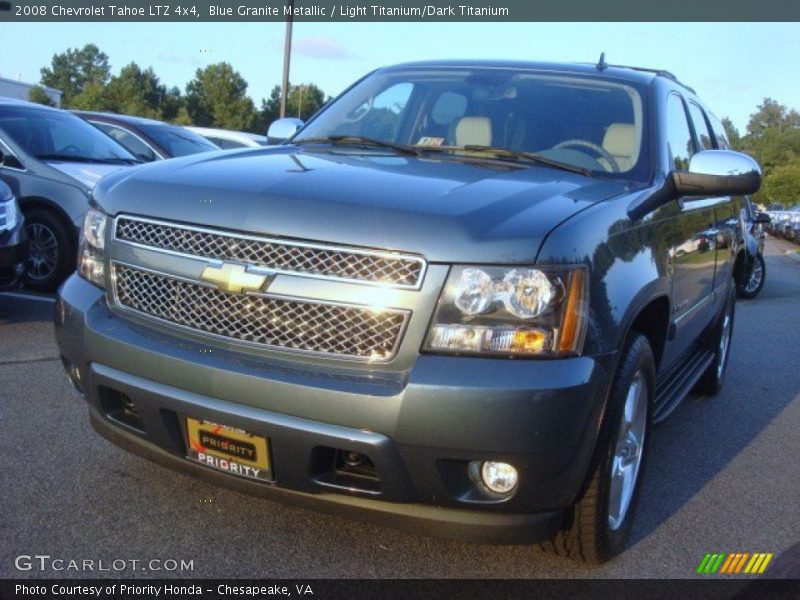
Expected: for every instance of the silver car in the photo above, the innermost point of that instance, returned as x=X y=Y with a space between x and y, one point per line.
x=52 y=160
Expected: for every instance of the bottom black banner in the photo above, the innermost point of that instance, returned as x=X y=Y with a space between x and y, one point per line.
x=407 y=589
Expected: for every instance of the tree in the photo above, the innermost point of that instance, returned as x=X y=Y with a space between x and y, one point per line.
x=38 y=94
x=135 y=92
x=782 y=184
x=733 y=135
x=772 y=116
x=303 y=101
x=72 y=71
x=217 y=97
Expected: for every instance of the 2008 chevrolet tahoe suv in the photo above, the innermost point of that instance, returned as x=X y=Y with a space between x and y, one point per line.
x=458 y=298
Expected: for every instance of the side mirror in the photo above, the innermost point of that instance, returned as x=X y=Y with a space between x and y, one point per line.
x=282 y=129
x=763 y=218
x=718 y=173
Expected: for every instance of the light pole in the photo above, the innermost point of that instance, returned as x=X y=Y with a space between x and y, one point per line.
x=287 y=53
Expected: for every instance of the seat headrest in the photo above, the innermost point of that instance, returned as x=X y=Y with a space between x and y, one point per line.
x=620 y=140
x=474 y=131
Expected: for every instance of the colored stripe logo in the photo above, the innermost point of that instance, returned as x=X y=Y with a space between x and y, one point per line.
x=735 y=563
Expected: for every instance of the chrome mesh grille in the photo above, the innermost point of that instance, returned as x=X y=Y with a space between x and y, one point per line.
x=322 y=261
x=308 y=326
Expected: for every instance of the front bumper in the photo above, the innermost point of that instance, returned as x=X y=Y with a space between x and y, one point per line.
x=419 y=428
x=13 y=253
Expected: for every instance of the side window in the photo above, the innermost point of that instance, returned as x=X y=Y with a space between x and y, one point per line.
x=701 y=126
x=131 y=143
x=679 y=136
x=719 y=132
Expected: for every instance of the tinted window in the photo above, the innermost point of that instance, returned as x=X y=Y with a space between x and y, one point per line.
x=700 y=126
x=679 y=136
x=58 y=135
x=177 y=141
x=134 y=145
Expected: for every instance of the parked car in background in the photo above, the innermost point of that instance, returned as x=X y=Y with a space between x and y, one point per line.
x=52 y=160
x=228 y=140
x=148 y=139
x=13 y=250
x=754 y=222
x=452 y=301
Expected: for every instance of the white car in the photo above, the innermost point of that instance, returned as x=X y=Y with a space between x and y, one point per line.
x=228 y=140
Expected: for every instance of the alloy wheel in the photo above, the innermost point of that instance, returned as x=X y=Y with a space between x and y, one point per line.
x=42 y=251
x=628 y=451
x=755 y=278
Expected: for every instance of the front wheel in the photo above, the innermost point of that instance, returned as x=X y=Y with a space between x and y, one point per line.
x=751 y=288
x=602 y=517
x=51 y=250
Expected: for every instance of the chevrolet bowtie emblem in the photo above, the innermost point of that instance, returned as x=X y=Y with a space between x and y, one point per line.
x=234 y=279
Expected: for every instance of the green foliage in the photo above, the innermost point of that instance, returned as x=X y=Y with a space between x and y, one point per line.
x=39 y=95
x=783 y=184
x=135 y=92
x=217 y=97
x=773 y=139
x=72 y=71
x=303 y=101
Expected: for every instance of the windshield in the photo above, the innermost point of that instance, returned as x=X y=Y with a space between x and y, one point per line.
x=56 y=135
x=177 y=141
x=592 y=123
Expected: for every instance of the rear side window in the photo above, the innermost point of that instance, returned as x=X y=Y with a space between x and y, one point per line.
x=719 y=132
x=679 y=135
x=704 y=136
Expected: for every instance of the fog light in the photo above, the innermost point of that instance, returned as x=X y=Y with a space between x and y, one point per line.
x=500 y=478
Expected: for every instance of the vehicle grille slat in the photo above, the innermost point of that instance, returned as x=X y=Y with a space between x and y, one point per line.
x=317 y=260
x=309 y=326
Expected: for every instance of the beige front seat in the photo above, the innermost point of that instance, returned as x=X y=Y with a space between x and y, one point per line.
x=620 y=142
x=473 y=131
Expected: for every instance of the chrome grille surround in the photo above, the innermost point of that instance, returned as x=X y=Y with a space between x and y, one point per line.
x=285 y=323
x=323 y=261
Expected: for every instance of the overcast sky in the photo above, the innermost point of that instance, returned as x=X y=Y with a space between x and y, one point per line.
x=733 y=66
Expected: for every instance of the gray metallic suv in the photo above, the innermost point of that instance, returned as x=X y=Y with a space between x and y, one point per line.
x=455 y=300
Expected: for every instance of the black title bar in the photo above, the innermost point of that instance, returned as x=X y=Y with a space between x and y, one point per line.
x=398 y=10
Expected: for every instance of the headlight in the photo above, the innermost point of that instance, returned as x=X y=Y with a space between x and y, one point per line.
x=91 y=249
x=511 y=311
x=11 y=210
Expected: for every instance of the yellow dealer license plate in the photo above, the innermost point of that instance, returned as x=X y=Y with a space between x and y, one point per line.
x=228 y=449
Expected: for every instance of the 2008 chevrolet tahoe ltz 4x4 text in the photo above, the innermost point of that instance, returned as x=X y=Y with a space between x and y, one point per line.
x=456 y=299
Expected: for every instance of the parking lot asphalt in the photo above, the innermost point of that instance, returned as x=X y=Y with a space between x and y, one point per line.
x=723 y=476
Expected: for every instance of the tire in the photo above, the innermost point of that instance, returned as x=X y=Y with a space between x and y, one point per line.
x=51 y=250
x=752 y=287
x=720 y=342
x=599 y=525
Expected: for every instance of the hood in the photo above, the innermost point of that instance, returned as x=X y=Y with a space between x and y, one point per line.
x=446 y=210
x=87 y=174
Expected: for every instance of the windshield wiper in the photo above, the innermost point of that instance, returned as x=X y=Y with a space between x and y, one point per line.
x=358 y=140
x=88 y=159
x=516 y=155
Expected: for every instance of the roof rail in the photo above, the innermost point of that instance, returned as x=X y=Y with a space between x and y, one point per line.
x=659 y=72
